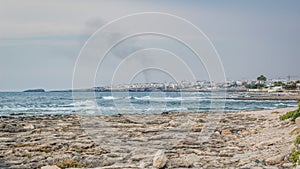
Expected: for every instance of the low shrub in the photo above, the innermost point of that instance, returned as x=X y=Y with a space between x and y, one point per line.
x=295 y=158
x=292 y=114
x=288 y=115
x=297 y=141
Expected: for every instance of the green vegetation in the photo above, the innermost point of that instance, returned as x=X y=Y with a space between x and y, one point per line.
x=261 y=78
x=279 y=83
x=288 y=86
x=275 y=112
x=289 y=115
x=295 y=157
x=292 y=114
x=255 y=86
x=69 y=164
x=291 y=85
x=297 y=141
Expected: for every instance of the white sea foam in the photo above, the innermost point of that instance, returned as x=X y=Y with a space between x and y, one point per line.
x=109 y=98
x=85 y=103
x=169 y=99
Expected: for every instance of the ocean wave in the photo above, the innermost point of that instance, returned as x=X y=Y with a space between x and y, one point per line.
x=59 y=103
x=86 y=103
x=109 y=98
x=168 y=99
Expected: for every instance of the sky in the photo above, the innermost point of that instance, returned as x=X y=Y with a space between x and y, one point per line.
x=41 y=41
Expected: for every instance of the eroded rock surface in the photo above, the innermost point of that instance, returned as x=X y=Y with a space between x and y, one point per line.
x=239 y=140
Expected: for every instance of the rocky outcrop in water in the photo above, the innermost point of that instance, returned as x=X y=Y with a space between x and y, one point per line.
x=35 y=90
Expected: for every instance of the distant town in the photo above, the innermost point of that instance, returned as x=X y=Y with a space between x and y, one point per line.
x=261 y=84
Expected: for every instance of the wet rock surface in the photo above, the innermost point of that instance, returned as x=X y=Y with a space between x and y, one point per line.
x=169 y=140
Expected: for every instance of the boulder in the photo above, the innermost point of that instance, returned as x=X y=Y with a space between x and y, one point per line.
x=160 y=159
x=172 y=123
x=50 y=167
x=28 y=127
x=186 y=161
x=196 y=128
x=297 y=121
x=226 y=132
x=287 y=165
x=217 y=133
x=295 y=130
x=274 y=160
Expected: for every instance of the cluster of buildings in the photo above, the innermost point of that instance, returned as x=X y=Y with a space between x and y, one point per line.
x=235 y=85
x=274 y=85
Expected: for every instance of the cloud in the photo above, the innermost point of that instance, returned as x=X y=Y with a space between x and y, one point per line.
x=250 y=38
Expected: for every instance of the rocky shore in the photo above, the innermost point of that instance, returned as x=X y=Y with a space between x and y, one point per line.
x=168 y=140
x=283 y=97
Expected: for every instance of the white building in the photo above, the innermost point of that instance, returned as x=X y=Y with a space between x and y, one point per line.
x=298 y=85
x=275 y=89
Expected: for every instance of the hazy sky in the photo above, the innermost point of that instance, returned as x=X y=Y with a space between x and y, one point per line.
x=40 y=40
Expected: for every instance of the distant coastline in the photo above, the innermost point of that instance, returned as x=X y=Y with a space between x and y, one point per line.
x=289 y=95
x=150 y=90
x=35 y=90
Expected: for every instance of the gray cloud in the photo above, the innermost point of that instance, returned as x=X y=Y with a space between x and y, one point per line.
x=40 y=47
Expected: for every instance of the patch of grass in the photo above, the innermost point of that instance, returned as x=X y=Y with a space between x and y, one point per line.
x=297 y=141
x=288 y=115
x=292 y=114
x=295 y=158
x=275 y=112
x=69 y=164
x=296 y=114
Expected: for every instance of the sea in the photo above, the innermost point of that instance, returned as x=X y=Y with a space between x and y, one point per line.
x=108 y=103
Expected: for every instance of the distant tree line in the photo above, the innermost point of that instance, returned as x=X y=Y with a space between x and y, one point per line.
x=255 y=86
x=261 y=79
x=291 y=85
x=261 y=84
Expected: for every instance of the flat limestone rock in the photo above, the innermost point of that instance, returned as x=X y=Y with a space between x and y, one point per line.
x=295 y=130
x=50 y=167
x=297 y=121
x=274 y=160
x=132 y=141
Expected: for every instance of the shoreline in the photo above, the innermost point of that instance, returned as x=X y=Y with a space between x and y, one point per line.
x=284 y=97
x=23 y=115
x=258 y=139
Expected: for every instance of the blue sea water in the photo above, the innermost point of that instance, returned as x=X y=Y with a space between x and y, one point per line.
x=35 y=103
